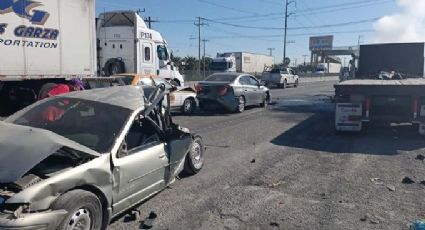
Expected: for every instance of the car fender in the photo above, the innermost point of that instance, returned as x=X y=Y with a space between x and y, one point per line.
x=95 y=173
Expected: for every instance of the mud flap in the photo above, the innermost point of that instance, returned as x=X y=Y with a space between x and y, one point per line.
x=348 y=117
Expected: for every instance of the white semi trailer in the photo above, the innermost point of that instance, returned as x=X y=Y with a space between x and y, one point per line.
x=53 y=41
x=241 y=62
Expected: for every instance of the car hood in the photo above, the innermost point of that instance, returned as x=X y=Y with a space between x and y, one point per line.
x=22 y=148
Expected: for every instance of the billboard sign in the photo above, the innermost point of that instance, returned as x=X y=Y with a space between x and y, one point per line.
x=321 y=43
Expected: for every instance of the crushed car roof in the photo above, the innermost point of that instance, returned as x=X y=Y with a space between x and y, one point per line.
x=130 y=97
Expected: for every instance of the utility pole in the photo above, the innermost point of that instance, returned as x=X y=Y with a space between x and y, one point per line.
x=305 y=56
x=149 y=20
x=287 y=3
x=199 y=23
x=204 y=41
x=271 y=51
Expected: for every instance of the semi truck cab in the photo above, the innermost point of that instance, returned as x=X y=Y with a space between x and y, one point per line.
x=126 y=45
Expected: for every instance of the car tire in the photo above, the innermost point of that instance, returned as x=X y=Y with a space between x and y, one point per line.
x=83 y=207
x=284 y=85
x=266 y=100
x=189 y=106
x=296 y=83
x=241 y=104
x=195 y=157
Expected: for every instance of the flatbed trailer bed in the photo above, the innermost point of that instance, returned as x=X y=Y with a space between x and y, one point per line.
x=395 y=101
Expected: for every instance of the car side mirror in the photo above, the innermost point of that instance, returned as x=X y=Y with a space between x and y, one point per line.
x=261 y=83
x=123 y=151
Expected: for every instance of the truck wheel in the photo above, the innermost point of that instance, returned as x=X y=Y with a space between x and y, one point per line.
x=114 y=66
x=241 y=106
x=195 y=158
x=189 y=106
x=84 y=210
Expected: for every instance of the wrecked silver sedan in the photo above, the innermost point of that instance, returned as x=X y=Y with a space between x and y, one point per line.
x=76 y=161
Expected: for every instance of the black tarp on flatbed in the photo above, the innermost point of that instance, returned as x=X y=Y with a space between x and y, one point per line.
x=407 y=58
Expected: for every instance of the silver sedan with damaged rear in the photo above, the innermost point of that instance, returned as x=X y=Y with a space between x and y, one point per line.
x=182 y=99
x=77 y=160
x=233 y=91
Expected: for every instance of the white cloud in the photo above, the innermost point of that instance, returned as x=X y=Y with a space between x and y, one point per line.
x=408 y=25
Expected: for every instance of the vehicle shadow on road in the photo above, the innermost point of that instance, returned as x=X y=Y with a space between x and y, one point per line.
x=214 y=112
x=317 y=133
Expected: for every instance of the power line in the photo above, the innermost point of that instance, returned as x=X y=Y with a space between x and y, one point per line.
x=303 y=12
x=227 y=7
x=259 y=37
x=346 y=4
x=295 y=28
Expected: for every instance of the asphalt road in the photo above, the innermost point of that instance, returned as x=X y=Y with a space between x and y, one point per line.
x=286 y=168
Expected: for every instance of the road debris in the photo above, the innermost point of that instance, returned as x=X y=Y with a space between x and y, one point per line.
x=274 y=185
x=418 y=225
x=420 y=157
x=134 y=215
x=373 y=219
x=407 y=180
x=149 y=221
x=391 y=188
x=377 y=181
x=274 y=224
x=226 y=187
x=253 y=161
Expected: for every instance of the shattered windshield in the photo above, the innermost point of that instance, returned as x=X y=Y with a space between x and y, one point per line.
x=92 y=124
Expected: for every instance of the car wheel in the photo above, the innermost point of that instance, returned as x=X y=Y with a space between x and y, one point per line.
x=84 y=210
x=189 y=106
x=195 y=157
x=266 y=100
x=241 y=104
x=296 y=83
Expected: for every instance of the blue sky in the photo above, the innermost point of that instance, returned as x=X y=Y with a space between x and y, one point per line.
x=176 y=18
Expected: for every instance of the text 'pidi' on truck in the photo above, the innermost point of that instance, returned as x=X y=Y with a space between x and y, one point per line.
x=55 y=40
x=389 y=86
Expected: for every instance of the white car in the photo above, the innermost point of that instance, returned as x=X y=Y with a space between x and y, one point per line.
x=281 y=78
x=181 y=99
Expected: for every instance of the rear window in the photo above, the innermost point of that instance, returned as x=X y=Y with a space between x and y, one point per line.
x=219 y=77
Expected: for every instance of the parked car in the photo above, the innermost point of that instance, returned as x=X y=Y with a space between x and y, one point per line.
x=281 y=77
x=88 y=157
x=233 y=91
